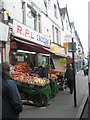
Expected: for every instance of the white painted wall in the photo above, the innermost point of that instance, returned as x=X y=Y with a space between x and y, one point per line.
x=48 y=21
x=65 y=28
x=15 y=11
x=7 y=51
x=13 y=8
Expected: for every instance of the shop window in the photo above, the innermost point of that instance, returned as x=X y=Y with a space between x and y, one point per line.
x=45 y=60
x=32 y=57
x=31 y=18
x=20 y=58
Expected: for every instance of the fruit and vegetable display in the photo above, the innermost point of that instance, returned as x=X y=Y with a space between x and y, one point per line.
x=23 y=73
x=22 y=67
x=53 y=76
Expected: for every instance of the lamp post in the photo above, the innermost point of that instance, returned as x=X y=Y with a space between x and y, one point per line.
x=73 y=65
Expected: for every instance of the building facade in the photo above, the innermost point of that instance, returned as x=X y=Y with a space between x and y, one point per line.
x=45 y=19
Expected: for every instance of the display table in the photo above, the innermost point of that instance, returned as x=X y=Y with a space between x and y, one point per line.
x=39 y=95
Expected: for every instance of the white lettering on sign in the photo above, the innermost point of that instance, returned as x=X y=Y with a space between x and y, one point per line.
x=22 y=31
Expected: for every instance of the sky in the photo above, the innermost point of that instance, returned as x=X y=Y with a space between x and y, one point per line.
x=78 y=12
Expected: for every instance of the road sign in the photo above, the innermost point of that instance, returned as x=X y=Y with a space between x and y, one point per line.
x=70 y=47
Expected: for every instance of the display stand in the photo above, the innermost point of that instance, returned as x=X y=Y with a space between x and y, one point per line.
x=38 y=94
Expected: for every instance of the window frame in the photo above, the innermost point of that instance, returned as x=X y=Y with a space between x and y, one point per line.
x=53 y=37
x=39 y=23
x=32 y=15
x=55 y=10
x=56 y=36
x=23 y=12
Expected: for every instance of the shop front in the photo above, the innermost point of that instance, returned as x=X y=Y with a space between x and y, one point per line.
x=28 y=45
x=58 y=63
x=4 y=37
x=30 y=49
x=59 y=57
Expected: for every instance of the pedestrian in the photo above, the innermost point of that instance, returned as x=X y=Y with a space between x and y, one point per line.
x=43 y=71
x=84 y=70
x=11 y=100
x=70 y=77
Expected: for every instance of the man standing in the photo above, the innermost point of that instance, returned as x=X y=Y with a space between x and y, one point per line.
x=70 y=77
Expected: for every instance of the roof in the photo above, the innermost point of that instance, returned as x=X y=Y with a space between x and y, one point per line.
x=64 y=11
x=79 y=41
x=72 y=24
x=60 y=14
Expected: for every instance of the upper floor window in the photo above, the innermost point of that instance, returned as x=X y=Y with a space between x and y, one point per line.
x=23 y=12
x=55 y=11
x=56 y=32
x=39 y=23
x=53 y=33
x=66 y=24
x=45 y=3
x=31 y=18
x=59 y=37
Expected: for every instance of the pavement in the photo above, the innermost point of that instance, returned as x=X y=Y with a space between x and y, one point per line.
x=62 y=105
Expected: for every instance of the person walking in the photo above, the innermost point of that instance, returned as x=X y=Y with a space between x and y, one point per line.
x=84 y=69
x=11 y=100
x=70 y=77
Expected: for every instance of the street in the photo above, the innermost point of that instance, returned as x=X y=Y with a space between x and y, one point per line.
x=86 y=112
x=62 y=105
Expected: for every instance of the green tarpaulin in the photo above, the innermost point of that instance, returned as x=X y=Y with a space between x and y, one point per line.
x=41 y=95
x=54 y=88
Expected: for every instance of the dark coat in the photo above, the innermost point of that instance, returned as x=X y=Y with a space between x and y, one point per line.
x=11 y=100
x=43 y=73
x=70 y=77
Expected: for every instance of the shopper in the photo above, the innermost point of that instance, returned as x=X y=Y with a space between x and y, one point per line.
x=11 y=100
x=70 y=77
x=43 y=71
x=84 y=69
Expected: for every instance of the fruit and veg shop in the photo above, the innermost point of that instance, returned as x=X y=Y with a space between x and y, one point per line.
x=24 y=56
